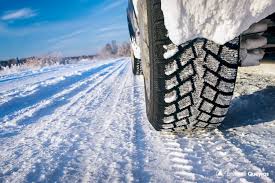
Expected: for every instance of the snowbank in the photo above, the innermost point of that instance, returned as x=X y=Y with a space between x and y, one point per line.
x=216 y=20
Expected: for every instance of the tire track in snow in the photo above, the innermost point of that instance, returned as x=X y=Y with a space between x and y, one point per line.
x=151 y=148
x=200 y=158
x=31 y=114
x=96 y=169
x=211 y=155
x=7 y=94
x=28 y=111
x=92 y=132
x=180 y=164
x=140 y=159
x=58 y=74
x=29 y=89
x=256 y=146
x=52 y=127
x=18 y=104
x=47 y=135
x=27 y=74
x=64 y=167
x=206 y=157
x=121 y=154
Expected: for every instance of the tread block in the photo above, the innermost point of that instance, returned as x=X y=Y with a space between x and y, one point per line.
x=182 y=123
x=186 y=56
x=216 y=120
x=228 y=73
x=186 y=88
x=229 y=55
x=206 y=106
x=185 y=102
x=171 y=83
x=209 y=93
x=168 y=119
x=212 y=63
x=220 y=111
x=211 y=78
x=204 y=117
x=170 y=97
x=199 y=49
x=171 y=68
x=170 y=110
x=223 y=100
x=214 y=48
x=187 y=72
x=183 y=114
x=226 y=87
x=167 y=126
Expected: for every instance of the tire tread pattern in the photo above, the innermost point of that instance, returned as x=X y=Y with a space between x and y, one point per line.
x=137 y=69
x=196 y=85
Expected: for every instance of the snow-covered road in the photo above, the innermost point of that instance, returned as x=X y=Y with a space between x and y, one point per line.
x=87 y=123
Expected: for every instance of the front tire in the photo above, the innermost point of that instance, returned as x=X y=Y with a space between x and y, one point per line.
x=193 y=89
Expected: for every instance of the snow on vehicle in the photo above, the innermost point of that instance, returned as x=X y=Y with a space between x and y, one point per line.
x=190 y=52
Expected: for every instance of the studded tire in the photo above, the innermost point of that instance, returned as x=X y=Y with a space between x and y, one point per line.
x=191 y=90
x=136 y=66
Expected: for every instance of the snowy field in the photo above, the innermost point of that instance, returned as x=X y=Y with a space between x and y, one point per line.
x=86 y=123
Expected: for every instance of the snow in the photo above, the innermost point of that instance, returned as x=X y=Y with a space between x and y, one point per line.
x=135 y=48
x=135 y=3
x=89 y=125
x=170 y=51
x=216 y=20
x=170 y=97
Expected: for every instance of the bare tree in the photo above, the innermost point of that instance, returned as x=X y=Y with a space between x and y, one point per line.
x=124 y=49
x=115 y=50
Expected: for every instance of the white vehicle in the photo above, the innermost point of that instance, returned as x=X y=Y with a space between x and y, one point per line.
x=189 y=53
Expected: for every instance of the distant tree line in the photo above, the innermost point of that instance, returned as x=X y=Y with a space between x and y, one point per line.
x=49 y=59
x=110 y=50
x=113 y=49
x=11 y=62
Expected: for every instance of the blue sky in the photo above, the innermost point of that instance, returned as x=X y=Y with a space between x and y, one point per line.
x=72 y=27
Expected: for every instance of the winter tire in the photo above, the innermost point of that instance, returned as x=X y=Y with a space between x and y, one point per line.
x=136 y=66
x=192 y=89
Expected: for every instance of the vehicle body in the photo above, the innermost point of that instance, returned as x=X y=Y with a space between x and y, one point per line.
x=190 y=52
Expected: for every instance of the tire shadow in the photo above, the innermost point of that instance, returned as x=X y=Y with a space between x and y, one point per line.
x=252 y=109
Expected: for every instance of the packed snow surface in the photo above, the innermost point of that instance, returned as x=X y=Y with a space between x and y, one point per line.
x=216 y=20
x=87 y=123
